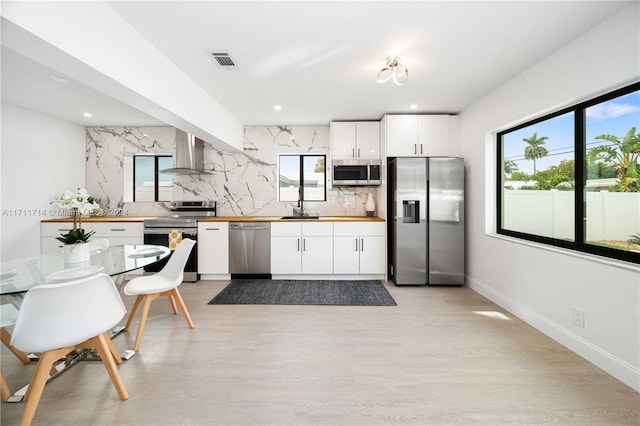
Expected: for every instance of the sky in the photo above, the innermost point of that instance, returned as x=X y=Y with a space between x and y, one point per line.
x=614 y=117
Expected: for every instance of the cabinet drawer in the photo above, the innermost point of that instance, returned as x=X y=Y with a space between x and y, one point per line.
x=317 y=229
x=359 y=229
x=57 y=228
x=118 y=229
x=289 y=229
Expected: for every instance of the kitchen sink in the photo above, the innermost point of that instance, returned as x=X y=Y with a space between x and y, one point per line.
x=299 y=217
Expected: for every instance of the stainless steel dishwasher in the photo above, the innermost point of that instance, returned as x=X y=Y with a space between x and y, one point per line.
x=250 y=249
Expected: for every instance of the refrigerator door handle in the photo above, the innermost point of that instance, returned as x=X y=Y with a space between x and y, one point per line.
x=428 y=212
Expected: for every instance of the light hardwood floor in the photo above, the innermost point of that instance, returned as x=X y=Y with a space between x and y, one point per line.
x=442 y=356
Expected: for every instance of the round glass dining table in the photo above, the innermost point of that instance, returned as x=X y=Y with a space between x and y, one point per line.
x=18 y=276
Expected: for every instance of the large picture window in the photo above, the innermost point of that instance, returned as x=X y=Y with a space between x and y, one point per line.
x=572 y=178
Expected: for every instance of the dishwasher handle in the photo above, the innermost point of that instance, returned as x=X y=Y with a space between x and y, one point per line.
x=241 y=227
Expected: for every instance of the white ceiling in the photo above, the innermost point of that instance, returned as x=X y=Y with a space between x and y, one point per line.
x=318 y=60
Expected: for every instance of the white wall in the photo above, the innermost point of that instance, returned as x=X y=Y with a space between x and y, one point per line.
x=539 y=284
x=91 y=43
x=40 y=156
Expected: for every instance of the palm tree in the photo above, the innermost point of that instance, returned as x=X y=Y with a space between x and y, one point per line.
x=622 y=154
x=509 y=167
x=535 y=149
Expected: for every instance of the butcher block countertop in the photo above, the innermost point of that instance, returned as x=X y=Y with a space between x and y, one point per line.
x=225 y=219
x=279 y=219
x=101 y=219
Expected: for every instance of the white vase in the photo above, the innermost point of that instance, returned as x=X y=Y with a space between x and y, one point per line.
x=76 y=253
x=370 y=205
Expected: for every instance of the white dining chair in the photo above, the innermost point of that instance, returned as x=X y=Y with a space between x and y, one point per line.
x=164 y=283
x=99 y=243
x=8 y=316
x=55 y=319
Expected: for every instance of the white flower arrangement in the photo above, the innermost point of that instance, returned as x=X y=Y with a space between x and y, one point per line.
x=79 y=202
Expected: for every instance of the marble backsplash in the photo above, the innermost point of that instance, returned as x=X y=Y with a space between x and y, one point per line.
x=242 y=183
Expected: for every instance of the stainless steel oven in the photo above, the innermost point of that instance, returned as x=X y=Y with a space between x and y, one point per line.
x=184 y=219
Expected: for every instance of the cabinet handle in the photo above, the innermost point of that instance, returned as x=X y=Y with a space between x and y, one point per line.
x=64 y=229
x=420 y=149
x=358 y=152
x=212 y=229
x=298 y=244
x=415 y=148
x=117 y=229
x=361 y=244
x=353 y=153
x=356 y=244
x=304 y=244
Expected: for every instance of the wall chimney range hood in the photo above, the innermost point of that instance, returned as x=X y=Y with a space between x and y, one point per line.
x=189 y=158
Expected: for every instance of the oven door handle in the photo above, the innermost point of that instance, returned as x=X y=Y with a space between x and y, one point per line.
x=158 y=231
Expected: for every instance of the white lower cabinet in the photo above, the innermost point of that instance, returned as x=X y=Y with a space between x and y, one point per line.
x=117 y=233
x=213 y=247
x=359 y=248
x=301 y=248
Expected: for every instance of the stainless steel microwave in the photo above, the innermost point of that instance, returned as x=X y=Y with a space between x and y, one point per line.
x=356 y=172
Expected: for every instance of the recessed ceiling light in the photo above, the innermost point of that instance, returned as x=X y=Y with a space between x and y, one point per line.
x=87 y=114
x=413 y=106
x=277 y=107
x=58 y=79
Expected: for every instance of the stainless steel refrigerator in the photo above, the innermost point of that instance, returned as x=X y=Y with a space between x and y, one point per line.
x=426 y=220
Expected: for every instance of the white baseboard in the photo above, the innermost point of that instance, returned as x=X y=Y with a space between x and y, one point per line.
x=613 y=365
x=215 y=277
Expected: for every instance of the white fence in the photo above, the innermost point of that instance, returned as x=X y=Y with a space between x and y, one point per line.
x=610 y=215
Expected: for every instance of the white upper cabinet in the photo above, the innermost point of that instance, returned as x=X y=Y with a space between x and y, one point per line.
x=355 y=140
x=433 y=135
x=402 y=135
x=417 y=135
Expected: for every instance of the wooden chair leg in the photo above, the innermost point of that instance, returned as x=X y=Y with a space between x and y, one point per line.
x=38 y=380
x=133 y=311
x=5 y=336
x=113 y=352
x=143 y=319
x=5 y=393
x=183 y=307
x=172 y=300
x=101 y=343
x=116 y=355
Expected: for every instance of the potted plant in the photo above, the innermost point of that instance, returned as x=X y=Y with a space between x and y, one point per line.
x=79 y=202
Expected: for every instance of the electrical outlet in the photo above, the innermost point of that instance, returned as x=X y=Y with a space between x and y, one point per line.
x=578 y=317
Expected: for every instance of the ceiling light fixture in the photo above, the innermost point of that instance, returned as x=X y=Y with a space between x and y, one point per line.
x=413 y=106
x=277 y=107
x=58 y=79
x=395 y=69
x=87 y=114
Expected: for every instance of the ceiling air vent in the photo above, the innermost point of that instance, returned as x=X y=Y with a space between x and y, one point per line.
x=224 y=60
